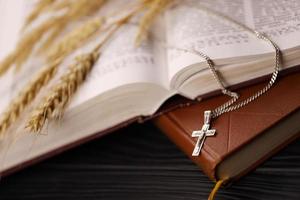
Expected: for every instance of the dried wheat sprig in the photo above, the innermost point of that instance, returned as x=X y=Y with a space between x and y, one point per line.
x=79 y=7
x=54 y=25
x=69 y=7
x=155 y=7
x=60 y=5
x=24 y=47
x=74 y=11
x=54 y=104
x=78 y=36
x=60 y=95
x=75 y=38
x=40 y=7
x=27 y=95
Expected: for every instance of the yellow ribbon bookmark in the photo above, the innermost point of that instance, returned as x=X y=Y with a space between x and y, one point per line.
x=217 y=186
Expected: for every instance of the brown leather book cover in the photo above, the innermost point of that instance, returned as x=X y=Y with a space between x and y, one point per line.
x=237 y=129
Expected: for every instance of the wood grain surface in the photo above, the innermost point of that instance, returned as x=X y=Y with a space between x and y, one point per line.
x=139 y=162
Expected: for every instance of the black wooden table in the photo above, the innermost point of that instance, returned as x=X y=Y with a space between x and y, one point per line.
x=139 y=162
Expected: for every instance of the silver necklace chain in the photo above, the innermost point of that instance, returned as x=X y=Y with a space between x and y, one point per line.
x=229 y=105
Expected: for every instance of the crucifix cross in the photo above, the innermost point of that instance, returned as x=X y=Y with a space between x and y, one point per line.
x=203 y=133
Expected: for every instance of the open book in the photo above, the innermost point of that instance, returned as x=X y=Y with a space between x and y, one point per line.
x=128 y=82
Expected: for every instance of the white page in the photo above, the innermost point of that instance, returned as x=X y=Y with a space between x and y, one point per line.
x=190 y=27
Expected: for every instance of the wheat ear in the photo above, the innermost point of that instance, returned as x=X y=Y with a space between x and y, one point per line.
x=25 y=47
x=60 y=95
x=67 y=45
x=55 y=25
x=27 y=95
x=75 y=11
x=155 y=7
x=74 y=39
x=54 y=104
x=40 y=7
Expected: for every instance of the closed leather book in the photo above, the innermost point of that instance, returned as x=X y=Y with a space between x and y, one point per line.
x=245 y=137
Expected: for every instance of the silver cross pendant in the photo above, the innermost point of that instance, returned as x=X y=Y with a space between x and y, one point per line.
x=203 y=133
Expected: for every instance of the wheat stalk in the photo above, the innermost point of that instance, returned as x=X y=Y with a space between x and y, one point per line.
x=54 y=104
x=24 y=47
x=155 y=7
x=74 y=77
x=74 y=39
x=40 y=7
x=55 y=25
x=75 y=11
x=60 y=95
x=27 y=95
x=60 y=5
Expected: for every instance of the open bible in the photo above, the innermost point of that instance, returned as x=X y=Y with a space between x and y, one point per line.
x=129 y=81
